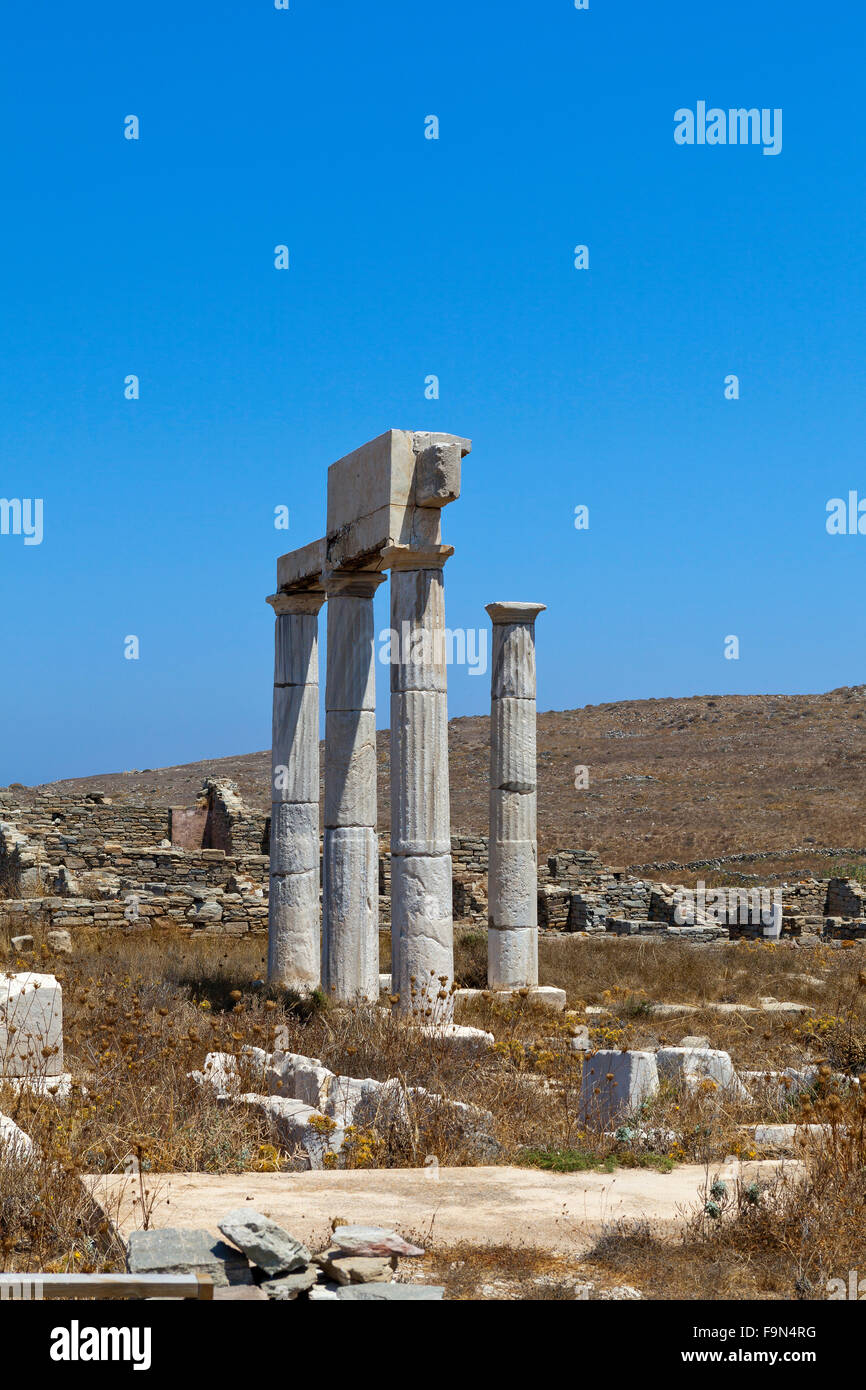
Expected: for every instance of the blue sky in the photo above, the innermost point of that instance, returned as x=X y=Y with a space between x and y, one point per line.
x=412 y=257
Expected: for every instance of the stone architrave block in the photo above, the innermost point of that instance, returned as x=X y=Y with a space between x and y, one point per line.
x=615 y=1085
x=31 y=1026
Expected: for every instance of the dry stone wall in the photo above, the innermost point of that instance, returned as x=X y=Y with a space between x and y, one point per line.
x=85 y=862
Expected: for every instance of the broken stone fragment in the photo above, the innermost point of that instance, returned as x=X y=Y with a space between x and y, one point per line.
x=60 y=942
x=288 y=1286
x=372 y=1240
x=264 y=1243
x=355 y=1269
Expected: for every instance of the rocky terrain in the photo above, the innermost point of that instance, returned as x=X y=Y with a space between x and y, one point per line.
x=671 y=779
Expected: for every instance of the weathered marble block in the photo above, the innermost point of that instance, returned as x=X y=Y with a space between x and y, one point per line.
x=31 y=1026
x=615 y=1086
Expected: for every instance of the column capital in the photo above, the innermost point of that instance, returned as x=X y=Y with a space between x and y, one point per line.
x=352 y=583
x=515 y=612
x=304 y=603
x=409 y=557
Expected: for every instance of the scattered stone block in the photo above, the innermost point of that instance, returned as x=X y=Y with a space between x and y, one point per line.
x=60 y=942
x=288 y=1286
x=31 y=1026
x=22 y=944
x=372 y=1241
x=769 y=1005
x=615 y=1085
x=692 y=1066
x=785 y=1138
x=264 y=1243
x=468 y=1040
x=546 y=997
x=695 y=1040
x=174 y=1250
x=343 y=1268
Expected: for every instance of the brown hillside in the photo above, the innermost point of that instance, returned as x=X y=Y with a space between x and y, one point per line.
x=668 y=779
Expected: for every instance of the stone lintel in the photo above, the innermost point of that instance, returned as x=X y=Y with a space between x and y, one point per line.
x=301 y=569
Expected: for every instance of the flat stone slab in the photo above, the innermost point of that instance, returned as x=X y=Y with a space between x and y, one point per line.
x=539 y=996
x=174 y=1250
x=373 y=1241
x=559 y=1212
x=390 y=1293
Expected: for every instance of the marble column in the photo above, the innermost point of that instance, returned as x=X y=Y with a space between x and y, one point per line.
x=350 y=884
x=293 y=907
x=422 y=927
x=512 y=938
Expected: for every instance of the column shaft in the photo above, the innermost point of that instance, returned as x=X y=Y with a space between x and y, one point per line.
x=350 y=885
x=293 y=906
x=422 y=927
x=512 y=938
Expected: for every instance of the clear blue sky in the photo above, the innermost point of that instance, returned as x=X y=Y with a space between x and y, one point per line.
x=411 y=257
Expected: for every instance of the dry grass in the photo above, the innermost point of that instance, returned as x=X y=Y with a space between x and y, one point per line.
x=141 y=1012
x=783 y=1242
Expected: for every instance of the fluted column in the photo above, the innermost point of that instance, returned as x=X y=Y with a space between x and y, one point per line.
x=350 y=884
x=293 y=906
x=512 y=938
x=422 y=927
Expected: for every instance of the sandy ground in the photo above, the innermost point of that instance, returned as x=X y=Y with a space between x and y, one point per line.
x=559 y=1212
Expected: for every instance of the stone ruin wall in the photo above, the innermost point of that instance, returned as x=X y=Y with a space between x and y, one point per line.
x=83 y=861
